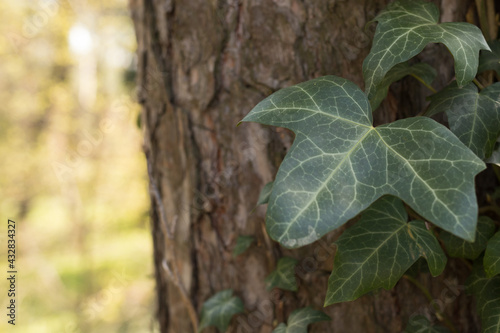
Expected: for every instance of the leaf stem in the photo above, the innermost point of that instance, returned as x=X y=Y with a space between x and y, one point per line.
x=491 y=208
x=431 y=88
x=478 y=84
x=440 y=315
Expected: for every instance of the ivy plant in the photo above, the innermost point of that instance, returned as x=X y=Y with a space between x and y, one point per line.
x=340 y=166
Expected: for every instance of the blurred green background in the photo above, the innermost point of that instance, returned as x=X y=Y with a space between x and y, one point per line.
x=73 y=172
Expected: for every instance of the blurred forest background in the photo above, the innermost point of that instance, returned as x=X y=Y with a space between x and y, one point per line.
x=73 y=172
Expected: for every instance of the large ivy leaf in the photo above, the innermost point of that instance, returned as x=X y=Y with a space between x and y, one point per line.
x=219 y=309
x=242 y=244
x=490 y=60
x=420 y=324
x=421 y=71
x=283 y=276
x=265 y=194
x=492 y=256
x=487 y=293
x=300 y=319
x=339 y=163
x=405 y=27
x=378 y=249
x=474 y=117
x=459 y=248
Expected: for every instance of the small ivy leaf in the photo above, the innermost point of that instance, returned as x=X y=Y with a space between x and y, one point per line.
x=405 y=27
x=283 y=276
x=490 y=60
x=492 y=256
x=219 y=309
x=487 y=293
x=265 y=194
x=339 y=164
x=495 y=155
x=421 y=71
x=242 y=244
x=474 y=117
x=376 y=251
x=420 y=324
x=458 y=248
x=300 y=319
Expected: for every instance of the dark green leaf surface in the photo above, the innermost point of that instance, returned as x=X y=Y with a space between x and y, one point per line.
x=339 y=163
x=490 y=60
x=459 y=248
x=492 y=256
x=474 y=117
x=420 y=324
x=405 y=27
x=242 y=244
x=421 y=71
x=265 y=194
x=283 y=276
x=378 y=249
x=219 y=309
x=300 y=319
x=487 y=293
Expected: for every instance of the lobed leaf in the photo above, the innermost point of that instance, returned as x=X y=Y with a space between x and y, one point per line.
x=490 y=60
x=405 y=27
x=265 y=194
x=283 y=276
x=421 y=71
x=487 y=293
x=242 y=244
x=300 y=319
x=339 y=163
x=473 y=117
x=420 y=324
x=219 y=309
x=492 y=256
x=459 y=248
x=378 y=249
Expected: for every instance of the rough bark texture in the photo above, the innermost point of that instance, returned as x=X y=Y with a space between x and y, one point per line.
x=203 y=64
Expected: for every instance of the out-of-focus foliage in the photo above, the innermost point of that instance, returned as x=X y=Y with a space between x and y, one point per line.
x=73 y=174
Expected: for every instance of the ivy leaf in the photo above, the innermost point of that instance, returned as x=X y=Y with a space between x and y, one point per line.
x=487 y=293
x=242 y=244
x=458 y=248
x=283 y=276
x=339 y=163
x=378 y=249
x=495 y=155
x=474 y=117
x=420 y=324
x=490 y=60
x=219 y=309
x=492 y=256
x=265 y=194
x=405 y=27
x=300 y=319
x=421 y=71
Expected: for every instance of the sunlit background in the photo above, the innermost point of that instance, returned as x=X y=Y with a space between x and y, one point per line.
x=73 y=172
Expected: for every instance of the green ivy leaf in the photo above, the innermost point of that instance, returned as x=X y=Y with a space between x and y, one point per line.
x=421 y=71
x=474 y=117
x=219 y=309
x=490 y=60
x=487 y=293
x=459 y=248
x=265 y=194
x=378 y=249
x=283 y=276
x=339 y=163
x=242 y=244
x=300 y=319
x=420 y=324
x=495 y=155
x=492 y=256
x=405 y=27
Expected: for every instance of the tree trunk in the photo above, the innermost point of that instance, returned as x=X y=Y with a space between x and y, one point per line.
x=203 y=64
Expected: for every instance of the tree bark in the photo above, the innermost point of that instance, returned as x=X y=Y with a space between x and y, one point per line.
x=202 y=65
